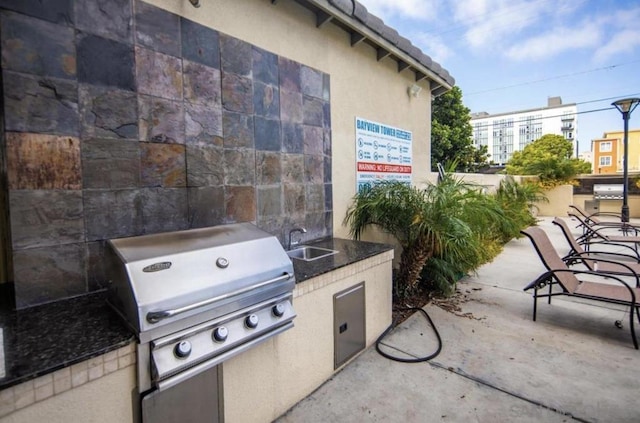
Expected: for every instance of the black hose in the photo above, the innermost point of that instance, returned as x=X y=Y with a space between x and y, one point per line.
x=409 y=360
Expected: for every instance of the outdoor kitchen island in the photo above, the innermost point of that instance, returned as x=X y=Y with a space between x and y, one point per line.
x=75 y=361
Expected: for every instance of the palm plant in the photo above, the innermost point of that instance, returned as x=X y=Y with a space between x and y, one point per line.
x=442 y=220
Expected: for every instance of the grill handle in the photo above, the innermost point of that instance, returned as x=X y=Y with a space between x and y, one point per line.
x=156 y=316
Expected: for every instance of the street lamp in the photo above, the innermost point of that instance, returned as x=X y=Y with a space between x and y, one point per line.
x=626 y=106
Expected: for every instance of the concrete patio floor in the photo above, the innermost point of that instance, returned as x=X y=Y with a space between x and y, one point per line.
x=496 y=364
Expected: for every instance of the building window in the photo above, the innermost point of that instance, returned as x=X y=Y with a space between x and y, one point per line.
x=605 y=147
x=605 y=161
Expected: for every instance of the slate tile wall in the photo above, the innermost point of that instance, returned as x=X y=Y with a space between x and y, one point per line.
x=122 y=119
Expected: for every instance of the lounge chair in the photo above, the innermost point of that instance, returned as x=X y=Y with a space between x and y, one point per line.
x=592 y=221
x=590 y=258
x=591 y=235
x=558 y=273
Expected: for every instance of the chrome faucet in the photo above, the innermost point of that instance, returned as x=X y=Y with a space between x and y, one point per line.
x=291 y=232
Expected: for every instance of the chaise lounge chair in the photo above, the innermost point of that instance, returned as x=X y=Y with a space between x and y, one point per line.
x=590 y=258
x=592 y=235
x=558 y=273
x=592 y=221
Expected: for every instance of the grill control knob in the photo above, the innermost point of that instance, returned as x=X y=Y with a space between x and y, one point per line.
x=183 y=349
x=278 y=310
x=220 y=334
x=251 y=321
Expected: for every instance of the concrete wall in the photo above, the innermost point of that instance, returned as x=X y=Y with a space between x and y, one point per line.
x=266 y=381
x=360 y=86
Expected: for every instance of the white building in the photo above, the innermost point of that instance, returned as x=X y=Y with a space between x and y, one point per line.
x=504 y=133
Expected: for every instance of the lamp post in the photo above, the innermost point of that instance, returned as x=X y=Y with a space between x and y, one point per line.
x=626 y=106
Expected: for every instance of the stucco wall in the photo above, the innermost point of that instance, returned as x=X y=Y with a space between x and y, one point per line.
x=285 y=369
x=360 y=86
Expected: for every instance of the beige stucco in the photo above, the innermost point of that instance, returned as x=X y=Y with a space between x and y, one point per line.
x=360 y=85
x=280 y=372
x=107 y=399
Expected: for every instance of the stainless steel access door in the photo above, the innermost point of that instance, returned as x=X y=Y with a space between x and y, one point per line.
x=195 y=400
x=348 y=323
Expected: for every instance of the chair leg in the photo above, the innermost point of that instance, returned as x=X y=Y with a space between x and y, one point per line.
x=633 y=331
x=550 y=286
x=535 y=303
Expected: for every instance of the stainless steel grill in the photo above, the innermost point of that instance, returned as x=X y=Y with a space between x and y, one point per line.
x=608 y=191
x=198 y=297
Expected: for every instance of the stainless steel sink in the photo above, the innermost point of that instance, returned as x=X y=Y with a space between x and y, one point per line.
x=308 y=253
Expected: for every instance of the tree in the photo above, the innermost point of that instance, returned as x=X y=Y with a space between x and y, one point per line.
x=549 y=158
x=444 y=220
x=451 y=134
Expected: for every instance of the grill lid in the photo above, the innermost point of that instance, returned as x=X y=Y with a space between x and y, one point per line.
x=161 y=278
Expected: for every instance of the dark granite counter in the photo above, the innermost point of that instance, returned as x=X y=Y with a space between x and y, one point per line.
x=349 y=252
x=46 y=338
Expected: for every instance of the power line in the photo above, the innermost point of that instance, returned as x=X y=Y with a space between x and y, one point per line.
x=553 y=78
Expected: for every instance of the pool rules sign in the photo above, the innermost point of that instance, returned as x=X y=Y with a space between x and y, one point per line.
x=383 y=153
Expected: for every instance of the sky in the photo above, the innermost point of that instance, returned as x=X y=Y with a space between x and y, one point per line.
x=508 y=55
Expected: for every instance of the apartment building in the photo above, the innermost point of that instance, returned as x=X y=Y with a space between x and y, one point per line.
x=608 y=152
x=504 y=133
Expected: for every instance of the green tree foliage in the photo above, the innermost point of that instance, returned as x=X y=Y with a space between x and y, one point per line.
x=451 y=134
x=445 y=223
x=549 y=158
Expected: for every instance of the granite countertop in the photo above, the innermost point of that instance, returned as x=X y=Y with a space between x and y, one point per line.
x=42 y=339
x=349 y=252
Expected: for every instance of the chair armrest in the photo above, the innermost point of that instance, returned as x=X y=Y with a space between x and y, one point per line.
x=600 y=274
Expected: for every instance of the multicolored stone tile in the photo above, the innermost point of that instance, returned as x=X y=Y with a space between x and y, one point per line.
x=327 y=170
x=289 y=72
x=49 y=273
x=312 y=111
x=291 y=109
x=112 y=213
x=268 y=168
x=108 y=163
x=38 y=104
x=201 y=84
x=294 y=200
x=328 y=197
x=161 y=120
x=265 y=67
x=37 y=47
x=203 y=124
x=205 y=166
x=266 y=100
x=237 y=129
x=199 y=43
x=314 y=169
x=293 y=169
x=311 y=81
x=162 y=165
x=38 y=161
x=313 y=140
x=235 y=56
x=237 y=93
x=239 y=167
x=164 y=209
x=105 y=62
x=206 y=206
x=107 y=18
x=42 y=218
x=157 y=29
x=292 y=138
x=314 y=198
x=98 y=264
x=108 y=112
x=58 y=11
x=240 y=204
x=269 y=201
x=267 y=134
x=158 y=74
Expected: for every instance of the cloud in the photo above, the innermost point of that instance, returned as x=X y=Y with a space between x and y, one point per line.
x=557 y=41
x=434 y=46
x=409 y=9
x=622 y=42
